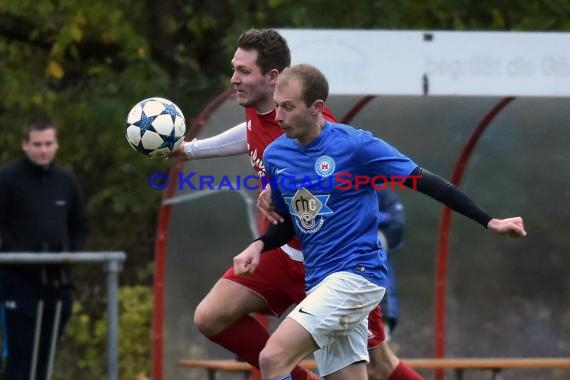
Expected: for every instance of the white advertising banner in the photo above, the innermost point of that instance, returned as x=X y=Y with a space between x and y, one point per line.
x=371 y=62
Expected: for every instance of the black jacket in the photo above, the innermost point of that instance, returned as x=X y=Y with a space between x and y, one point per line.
x=41 y=210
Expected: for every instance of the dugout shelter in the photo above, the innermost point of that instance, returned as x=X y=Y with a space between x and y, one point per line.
x=490 y=111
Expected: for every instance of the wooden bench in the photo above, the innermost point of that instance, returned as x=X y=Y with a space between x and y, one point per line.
x=459 y=365
x=213 y=366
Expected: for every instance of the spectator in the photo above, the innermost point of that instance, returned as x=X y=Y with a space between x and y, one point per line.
x=41 y=210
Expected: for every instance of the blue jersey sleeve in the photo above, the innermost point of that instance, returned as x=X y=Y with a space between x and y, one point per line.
x=380 y=158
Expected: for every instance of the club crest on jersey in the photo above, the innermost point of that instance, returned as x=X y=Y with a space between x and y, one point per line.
x=309 y=209
x=324 y=166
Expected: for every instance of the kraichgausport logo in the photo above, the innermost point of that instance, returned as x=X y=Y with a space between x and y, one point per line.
x=340 y=181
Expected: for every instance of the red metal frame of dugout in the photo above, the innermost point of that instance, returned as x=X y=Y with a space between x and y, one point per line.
x=445 y=224
x=445 y=228
x=161 y=241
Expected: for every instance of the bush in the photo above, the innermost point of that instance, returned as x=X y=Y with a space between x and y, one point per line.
x=82 y=352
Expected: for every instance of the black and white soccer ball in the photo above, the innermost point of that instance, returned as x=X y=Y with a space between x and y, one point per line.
x=155 y=127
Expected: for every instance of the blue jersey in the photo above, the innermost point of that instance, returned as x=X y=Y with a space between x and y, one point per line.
x=334 y=211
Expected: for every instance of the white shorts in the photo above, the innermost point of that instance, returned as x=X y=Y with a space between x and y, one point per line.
x=335 y=313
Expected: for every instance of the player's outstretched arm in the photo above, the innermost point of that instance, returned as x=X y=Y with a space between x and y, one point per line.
x=228 y=143
x=448 y=194
x=509 y=226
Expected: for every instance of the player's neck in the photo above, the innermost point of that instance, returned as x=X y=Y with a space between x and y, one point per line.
x=265 y=107
x=313 y=133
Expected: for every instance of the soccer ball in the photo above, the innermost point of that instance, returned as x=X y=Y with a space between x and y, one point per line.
x=155 y=127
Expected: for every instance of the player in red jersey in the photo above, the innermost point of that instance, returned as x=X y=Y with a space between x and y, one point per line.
x=278 y=282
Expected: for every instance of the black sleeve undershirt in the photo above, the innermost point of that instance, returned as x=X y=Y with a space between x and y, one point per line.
x=278 y=234
x=448 y=194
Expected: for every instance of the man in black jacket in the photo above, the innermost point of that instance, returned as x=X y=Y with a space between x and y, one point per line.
x=41 y=210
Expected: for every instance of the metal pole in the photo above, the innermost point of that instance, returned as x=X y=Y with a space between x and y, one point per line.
x=112 y=268
x=113 y=265
x=37 y=337
x=60 y=258
x=54 y=336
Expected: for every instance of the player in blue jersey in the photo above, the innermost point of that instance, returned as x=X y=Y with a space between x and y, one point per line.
x=321 y=174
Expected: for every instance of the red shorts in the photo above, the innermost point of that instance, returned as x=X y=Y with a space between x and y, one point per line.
x=280 y=281
x=376 y=335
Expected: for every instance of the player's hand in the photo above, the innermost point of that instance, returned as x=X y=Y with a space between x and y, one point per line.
x=246 y=262
x=266 y=207
x=510 y=226
x=179 y=153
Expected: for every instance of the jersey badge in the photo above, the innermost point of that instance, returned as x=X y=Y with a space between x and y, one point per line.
x=308 y=209
x=324 y=166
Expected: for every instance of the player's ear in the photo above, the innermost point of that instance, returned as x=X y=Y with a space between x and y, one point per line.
x=318 y=106
x=272 y=76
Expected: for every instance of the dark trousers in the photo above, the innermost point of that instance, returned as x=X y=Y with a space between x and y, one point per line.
x=20 y=303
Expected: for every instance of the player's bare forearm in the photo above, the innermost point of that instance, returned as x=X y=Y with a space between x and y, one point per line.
x=510 y=226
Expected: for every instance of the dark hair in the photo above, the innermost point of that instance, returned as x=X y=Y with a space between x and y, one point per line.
x=271 y=47
x=314 y=84
x=41 y=125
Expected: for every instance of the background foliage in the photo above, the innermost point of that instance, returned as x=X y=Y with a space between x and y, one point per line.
x=87 y=334
x=86 y=63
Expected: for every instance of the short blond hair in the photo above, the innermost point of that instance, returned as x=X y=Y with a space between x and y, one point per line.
x=313 y=82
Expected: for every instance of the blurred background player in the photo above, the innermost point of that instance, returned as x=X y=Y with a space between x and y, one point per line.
x=391 y=234
x=41 y=210
x=224 y=314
